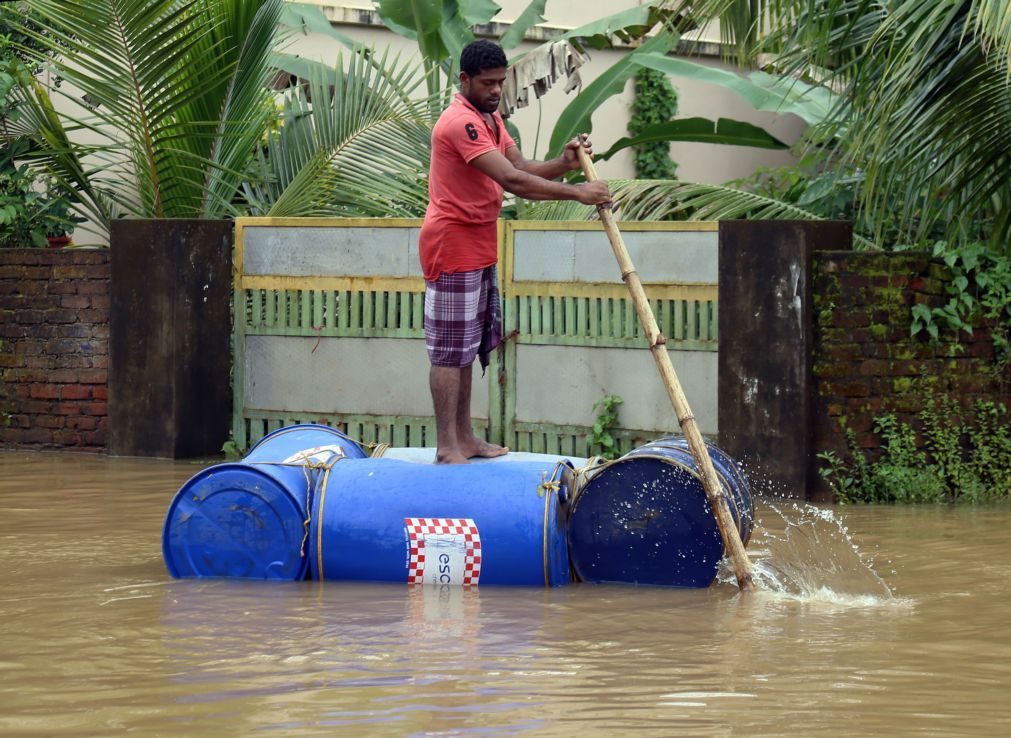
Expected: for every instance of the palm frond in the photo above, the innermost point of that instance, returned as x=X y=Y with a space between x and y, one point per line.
x=658 y=199
x=351 y=143
x=174 y=92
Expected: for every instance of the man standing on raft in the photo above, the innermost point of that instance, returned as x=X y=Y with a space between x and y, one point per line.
x=473 y=160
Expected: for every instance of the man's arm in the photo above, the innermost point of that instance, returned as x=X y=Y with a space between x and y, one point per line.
x=553 y=168
x=534 y=186
x=534 y=180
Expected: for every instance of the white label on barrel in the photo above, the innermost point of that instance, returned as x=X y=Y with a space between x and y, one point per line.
x=315 y=455
x=443 y=551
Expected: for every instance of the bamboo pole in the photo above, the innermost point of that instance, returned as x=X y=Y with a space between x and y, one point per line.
x=658 y=347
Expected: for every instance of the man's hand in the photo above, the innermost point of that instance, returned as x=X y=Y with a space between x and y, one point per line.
x=594 y=193
x=570 y=152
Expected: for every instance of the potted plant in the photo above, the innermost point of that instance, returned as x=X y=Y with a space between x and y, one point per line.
x=56 y=217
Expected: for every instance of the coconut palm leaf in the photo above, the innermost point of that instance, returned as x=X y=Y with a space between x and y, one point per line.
x=924 y=94
x=636 y=200
x=174 y=94
x=58 y=157
x=351 y=143
x=243 y=108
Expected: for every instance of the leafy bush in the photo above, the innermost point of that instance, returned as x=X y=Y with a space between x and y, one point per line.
x=958 y=461
x=980 y=291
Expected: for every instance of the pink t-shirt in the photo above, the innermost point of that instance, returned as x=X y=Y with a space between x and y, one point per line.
x=459 y=233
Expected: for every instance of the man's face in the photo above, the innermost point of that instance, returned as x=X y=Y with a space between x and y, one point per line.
x=484 y=89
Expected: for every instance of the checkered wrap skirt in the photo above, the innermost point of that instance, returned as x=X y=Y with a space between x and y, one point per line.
x=463 y=317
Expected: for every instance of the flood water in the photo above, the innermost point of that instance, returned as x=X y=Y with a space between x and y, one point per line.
x=872 y=621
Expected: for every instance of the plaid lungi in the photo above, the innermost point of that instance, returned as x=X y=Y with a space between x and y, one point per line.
x=463 y=317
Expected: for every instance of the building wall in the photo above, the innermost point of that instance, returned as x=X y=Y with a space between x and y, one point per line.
x=54 y=329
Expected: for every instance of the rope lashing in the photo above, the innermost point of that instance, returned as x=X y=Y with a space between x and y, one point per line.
x=309 y=470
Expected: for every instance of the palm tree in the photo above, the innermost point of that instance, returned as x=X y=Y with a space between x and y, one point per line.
x=922 y=120
x=177 y=114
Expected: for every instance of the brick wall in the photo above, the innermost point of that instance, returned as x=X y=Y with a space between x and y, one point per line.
x=54 y=328
x=866 y=363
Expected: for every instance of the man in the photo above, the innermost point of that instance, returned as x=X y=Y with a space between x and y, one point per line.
x=473 y=160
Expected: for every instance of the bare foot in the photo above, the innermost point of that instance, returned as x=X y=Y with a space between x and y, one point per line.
x=450 y=456
x=483 y=449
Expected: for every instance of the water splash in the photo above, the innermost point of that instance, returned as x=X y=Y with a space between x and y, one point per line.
x=806 y=553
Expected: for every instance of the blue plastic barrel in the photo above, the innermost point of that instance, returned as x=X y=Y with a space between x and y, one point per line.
x=397 y=521
x=645 y=519
x=247 y=519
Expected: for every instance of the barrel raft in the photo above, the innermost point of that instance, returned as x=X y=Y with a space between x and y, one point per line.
x=307 y=502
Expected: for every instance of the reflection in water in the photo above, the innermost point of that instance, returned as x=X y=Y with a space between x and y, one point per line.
x=95 y=639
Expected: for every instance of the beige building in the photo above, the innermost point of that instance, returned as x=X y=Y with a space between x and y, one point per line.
x=707 y=163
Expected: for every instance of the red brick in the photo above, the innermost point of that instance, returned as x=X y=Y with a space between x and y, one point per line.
x=100 y=392
x=93 y=315
x=93 y=288
x=97 y=271
x=96 y=408
x=49 y=421
x=36 y=435
x=76 y=392
x=83 y=422
x=843 y=319
x=61 y=272
x=73 y=361
x=73 y=330
x=45 y=392
x=93 y=376
x=62 y=315
x=30 y=317
x=67 y=408
x=848 y=389
x=101 y=302
x=875 y=367
x=60 y=346
x=67 y=437
x=97 y=256
x=63 y=376
x=75 y=301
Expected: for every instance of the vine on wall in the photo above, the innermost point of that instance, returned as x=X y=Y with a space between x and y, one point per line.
x=656 y=101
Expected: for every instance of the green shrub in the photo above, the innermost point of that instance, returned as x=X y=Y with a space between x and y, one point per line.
x=959 y=460
x=602 y=443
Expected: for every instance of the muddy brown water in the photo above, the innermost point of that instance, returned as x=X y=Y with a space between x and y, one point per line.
x=871 y=621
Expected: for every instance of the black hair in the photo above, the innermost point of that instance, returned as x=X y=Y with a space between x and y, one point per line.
x=480 y=55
